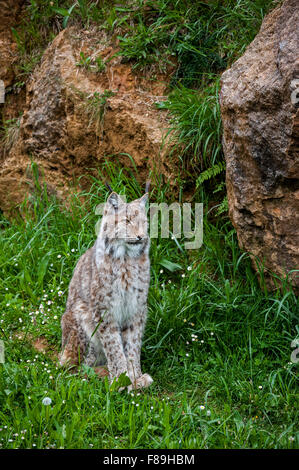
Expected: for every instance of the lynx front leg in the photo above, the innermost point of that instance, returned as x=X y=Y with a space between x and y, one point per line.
x=110 y=337
x=131 y=337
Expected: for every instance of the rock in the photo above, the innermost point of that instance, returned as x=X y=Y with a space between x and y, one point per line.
x=261 y=136
x=9 y=10
x=78 y=115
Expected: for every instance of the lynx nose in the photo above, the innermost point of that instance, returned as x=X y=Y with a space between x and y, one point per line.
x=139 y=237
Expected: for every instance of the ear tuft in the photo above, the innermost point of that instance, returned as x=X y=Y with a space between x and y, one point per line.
x=115 y=200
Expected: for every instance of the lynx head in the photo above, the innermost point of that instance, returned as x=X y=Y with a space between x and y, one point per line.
x=124 y=229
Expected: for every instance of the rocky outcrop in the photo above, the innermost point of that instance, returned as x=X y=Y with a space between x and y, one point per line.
x=84 y=106
x=9 y=10
x=261 y=131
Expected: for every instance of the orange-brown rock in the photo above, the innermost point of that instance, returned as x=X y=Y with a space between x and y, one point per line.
x=77 y=116
x=260 y=121
x=9 y=10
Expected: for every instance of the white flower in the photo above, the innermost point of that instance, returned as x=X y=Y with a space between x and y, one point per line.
x=161 y=271
x=183 y=275
x=58 y=256
x=73 y=250
x=46 y=401
x=201 y=407
x=208 y=413
x=260 y=387
x=189 y=268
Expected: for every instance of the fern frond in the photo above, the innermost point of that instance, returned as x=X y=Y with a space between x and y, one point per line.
x=210 y=173
x=223 y=207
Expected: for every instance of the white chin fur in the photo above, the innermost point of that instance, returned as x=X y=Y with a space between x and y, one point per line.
x=123 y=249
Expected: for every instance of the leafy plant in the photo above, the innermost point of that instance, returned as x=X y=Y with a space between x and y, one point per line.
x=66 y=13
x=89 y=63
x=210 y=173
x=85 y=61
x=100 y=64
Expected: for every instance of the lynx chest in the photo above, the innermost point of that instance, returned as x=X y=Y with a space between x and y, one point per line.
x=128 y=293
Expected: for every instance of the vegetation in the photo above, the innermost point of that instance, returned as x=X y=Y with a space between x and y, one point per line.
x=212 y=388
x=217 y=341
x=95 y=107
x=201 y=38
x=10 y=130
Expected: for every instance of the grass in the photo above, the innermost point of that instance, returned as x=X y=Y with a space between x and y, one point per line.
x=95 y=107
x=195 y=125
x=204 y=37
x=10 y=133
x=217 y=345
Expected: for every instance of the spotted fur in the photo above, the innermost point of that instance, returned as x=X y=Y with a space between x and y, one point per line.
x=106 y=307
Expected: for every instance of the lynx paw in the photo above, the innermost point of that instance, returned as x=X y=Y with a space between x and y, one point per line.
x=143 y=381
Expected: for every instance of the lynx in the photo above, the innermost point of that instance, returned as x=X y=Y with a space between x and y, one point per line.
x=106 y=308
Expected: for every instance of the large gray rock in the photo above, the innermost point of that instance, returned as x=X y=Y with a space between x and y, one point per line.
x=261 y=131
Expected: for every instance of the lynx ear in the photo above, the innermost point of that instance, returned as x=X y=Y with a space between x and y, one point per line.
x=143 y=200
x=115 y=200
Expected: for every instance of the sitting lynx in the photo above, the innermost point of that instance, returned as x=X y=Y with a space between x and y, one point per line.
x=107 y=301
